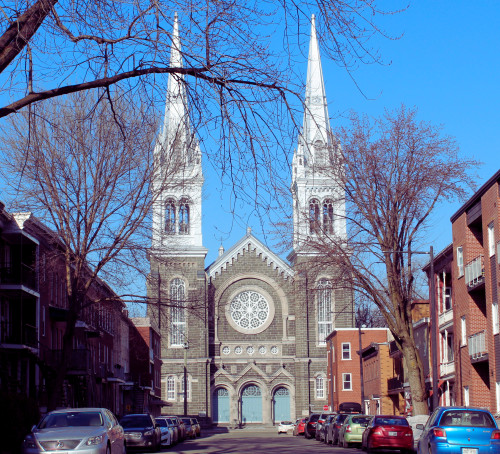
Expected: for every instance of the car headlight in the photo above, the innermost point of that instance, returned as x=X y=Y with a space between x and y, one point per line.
x=95 y=440
x=148 y=433
x=29 y=442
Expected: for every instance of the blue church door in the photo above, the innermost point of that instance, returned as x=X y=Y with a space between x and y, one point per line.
x=220 y=405
x=251 y=404
x=281 y=405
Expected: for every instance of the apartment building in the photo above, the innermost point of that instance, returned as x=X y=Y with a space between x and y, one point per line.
x=475 y=281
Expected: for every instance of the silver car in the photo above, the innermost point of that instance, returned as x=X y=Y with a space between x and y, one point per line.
x=79 y=430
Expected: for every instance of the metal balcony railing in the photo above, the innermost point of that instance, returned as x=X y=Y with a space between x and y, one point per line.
x=11 y=334
x=394 y=383
x=447 y=368
x=477 y=345
x=474 y=271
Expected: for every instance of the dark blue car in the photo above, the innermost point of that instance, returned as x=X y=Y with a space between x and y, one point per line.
x=459 y=430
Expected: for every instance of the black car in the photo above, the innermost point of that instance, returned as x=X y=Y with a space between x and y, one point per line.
x=141 y=431
x=312 y=423
x=321 y=433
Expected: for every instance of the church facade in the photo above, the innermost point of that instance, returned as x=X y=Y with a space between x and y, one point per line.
x=243 y=338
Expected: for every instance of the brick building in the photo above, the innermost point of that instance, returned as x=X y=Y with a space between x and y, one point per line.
x=249 y=329
x=475 y=282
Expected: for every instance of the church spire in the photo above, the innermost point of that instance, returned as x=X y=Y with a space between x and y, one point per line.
x=319 y=200
x=316 y=125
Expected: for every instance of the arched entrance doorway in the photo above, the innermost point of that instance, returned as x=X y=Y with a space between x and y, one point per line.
x=281 y=401
x=251 y=404
x=220 y=405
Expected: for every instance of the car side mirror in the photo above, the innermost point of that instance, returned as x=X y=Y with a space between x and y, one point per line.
x=419 y=426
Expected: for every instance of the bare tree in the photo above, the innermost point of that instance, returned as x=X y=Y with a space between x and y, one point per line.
x=86 y=170
x=396 y=170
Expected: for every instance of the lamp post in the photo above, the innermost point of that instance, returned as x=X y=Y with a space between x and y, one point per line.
x=360 y=326
x=186 y=347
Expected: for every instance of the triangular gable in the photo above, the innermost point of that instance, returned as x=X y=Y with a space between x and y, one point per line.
x=282 y=371
x=224 y=373
x=249 y=244
x=253 y=367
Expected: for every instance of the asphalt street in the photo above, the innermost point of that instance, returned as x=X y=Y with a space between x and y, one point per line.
x=255 y=442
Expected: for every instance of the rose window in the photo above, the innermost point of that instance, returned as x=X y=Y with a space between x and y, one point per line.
x=249 y=310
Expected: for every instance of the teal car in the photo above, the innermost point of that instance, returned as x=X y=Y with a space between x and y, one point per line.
x=352 y=429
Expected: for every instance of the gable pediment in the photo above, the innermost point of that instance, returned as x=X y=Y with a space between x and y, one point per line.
x=249 y=245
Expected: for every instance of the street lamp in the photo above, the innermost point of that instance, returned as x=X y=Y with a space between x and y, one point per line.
x=186 y=348
x=360 y=326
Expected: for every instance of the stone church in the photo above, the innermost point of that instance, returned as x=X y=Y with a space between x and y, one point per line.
x=243 y=338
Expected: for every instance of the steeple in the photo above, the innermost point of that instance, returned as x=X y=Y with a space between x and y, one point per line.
x=319 y=200
x=316 y=125
x=178 y=177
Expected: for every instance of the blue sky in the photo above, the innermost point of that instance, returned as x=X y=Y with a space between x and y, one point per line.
x=447 y=64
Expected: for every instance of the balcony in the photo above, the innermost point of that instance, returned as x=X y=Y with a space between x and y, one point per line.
x=446 y=318
x=474 y=273
x=446 y=369
x=394 y=384
x=12 y=277
x=10 y=335
x=478 y=348
x=78 y=362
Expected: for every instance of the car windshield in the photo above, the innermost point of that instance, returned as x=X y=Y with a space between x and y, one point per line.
x=388 y=421
x=466 y=418
x=186 y=421
x=135 y=421
x=161 y=423
x=360 y=419
x=341 y=418
x=170 y=422
x=286 y=423
x=314 y=417
x=72 y=419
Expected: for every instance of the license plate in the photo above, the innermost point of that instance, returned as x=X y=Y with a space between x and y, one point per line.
x=395 y=434
x=469 y=450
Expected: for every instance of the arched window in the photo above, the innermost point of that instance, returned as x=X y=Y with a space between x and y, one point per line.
x=320 y=387
x=328 y=216
x=178 y=312
x=170 y=217
x=170 y=387
x=184 y=217
x=314 y=219
x=324 y=294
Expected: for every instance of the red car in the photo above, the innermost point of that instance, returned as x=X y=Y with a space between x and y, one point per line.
x=388 y=432
x=299 y=427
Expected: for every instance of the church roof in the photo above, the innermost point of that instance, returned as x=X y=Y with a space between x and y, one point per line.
x=249 y=244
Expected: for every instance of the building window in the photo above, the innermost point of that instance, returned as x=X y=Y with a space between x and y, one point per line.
x=328 y=216
x=314 y=220
x=184 y=217
x=170 y=217
x=466 y=396
x=346 y=382
x=460 y=261
x=346 y=350
x=491 y=239
x=177 y=312
x=320 y=387
x=324 y=289
x=463 y=331
x=447 y=299
x=494 y=316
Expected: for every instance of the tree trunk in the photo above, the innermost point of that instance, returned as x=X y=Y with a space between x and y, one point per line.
x=416 y=378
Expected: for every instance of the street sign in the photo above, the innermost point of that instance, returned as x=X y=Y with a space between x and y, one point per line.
x=326 y=408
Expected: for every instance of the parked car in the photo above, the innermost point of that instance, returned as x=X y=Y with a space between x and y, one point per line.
x=388 y=432
x=167 y=432
x=334 y=427
x=175 y=430
x=197 y=427
x=461 y=430
x=312 y=422
x=190 y=430
x=141 y=431
x=180 y=427
x=323 y=430
x=92 y=430
x=285 y=426
x=352 y=429
x=299 y=427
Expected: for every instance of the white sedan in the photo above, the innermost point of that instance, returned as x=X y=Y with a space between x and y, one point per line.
x=285 y=426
